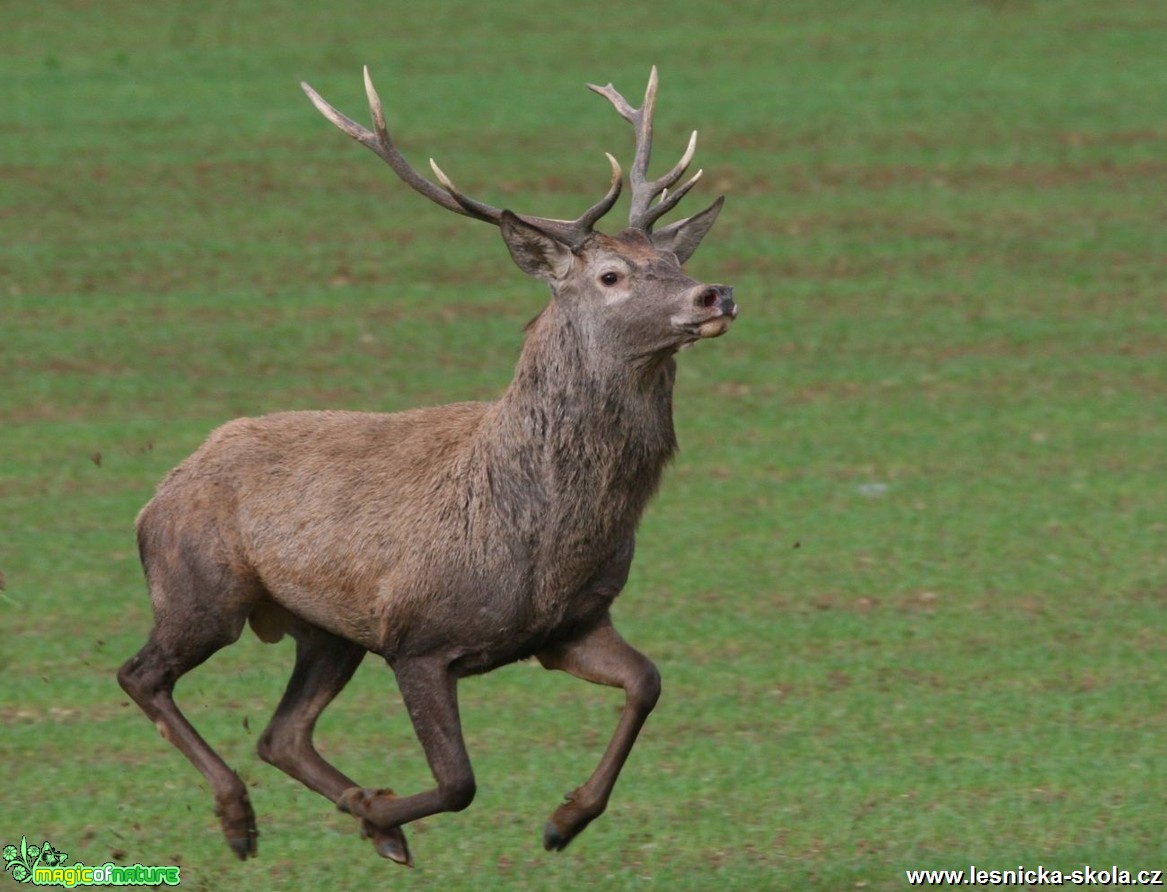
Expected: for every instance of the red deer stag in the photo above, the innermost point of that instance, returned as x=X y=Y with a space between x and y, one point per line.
x=448 y=540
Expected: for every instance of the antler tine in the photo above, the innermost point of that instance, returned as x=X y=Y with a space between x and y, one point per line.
x=470 y=206
x=593 y=214
x=381 y=143
x=669 y=200
x=572 y=232
x=643 y=214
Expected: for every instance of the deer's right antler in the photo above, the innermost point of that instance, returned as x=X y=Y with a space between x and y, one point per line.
x=570 y=232
x=643 y=213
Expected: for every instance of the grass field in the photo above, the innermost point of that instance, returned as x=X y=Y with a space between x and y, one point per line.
x=906 y=582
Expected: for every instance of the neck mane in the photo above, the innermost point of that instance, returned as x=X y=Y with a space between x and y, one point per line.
x=576 y=446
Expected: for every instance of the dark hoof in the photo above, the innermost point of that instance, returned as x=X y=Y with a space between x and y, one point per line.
x=389 y=842
x=238 y=820
x=243 y=848
x=569 y=820
x=553 y=840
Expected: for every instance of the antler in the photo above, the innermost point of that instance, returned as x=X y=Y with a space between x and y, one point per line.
x=570 y=232
x=643 y=213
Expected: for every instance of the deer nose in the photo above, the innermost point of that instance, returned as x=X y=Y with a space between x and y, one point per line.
x=721 y=297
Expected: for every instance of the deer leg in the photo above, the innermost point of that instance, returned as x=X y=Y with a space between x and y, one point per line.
x=324 y=665
x=601 y=656
x=149 y=678
x=429 y=690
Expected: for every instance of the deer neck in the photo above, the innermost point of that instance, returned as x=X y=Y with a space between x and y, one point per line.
x=589 y=433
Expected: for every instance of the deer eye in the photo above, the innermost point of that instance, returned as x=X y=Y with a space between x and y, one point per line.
x=610 y=278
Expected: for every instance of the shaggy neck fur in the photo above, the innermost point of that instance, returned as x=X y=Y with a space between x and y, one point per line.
x=577 y=446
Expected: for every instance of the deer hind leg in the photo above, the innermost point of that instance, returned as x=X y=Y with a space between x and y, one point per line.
x=429 y=690
x=176 y=645
x=324 y=665
x=601 y=656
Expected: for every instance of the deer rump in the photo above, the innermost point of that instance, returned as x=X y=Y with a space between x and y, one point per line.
x=448 y=540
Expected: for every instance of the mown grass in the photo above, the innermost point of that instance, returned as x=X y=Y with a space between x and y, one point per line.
x=906 y=580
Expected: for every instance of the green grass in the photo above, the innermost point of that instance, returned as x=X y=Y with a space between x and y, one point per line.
x=906 y=581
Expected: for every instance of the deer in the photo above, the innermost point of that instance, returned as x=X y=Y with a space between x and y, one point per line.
x=448 y=540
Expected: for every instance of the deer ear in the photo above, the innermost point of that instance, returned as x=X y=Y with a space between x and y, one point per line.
x=534 y=251
x=683 y=237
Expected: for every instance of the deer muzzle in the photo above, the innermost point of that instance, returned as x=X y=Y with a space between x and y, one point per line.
x=718 y=301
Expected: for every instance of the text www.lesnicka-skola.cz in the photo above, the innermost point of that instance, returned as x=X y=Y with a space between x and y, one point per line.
x=1036 y=876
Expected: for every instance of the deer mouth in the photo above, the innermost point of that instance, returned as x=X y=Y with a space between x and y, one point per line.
x=701 y=329
x=715 y=328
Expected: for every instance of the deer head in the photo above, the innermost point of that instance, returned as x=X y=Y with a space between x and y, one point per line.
x=629 y=285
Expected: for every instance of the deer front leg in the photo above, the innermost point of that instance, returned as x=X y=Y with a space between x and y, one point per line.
x=429 y=690
x=601 y=656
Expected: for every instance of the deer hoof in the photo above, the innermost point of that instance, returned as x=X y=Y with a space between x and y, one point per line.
x=553 y=839
x=568 y=821
x=389 y=842
x=238 y=820
x=243 y=847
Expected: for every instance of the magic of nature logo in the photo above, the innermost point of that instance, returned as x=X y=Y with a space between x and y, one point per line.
x=44 y=865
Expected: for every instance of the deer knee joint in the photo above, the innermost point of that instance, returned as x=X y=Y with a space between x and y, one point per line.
x=458 y=793
x=644 y=689
x=126 y=676
x=266 y=748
